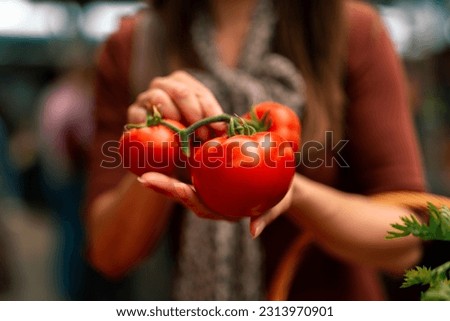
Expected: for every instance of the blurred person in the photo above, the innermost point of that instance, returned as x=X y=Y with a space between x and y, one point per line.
x=65 y=131
x=66 y=128
x=9 y=190
x=9 y=177
x=333 y=63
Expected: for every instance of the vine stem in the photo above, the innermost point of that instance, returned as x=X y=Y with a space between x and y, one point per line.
x=235 y=126
x=170 y=126
x=205 y=121
x=185 y=133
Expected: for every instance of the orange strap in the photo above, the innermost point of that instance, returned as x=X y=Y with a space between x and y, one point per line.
x=285 y=272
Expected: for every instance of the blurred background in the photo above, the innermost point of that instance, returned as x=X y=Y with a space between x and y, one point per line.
x=47 y=50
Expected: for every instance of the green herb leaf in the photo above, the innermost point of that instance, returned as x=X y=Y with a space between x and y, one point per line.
x=417 y=276
x=440 y=292
x=438 y=227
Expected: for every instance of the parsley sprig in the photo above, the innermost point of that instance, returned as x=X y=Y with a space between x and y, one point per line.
x=438 y=228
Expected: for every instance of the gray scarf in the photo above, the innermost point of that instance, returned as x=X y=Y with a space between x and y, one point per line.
x=219 y=260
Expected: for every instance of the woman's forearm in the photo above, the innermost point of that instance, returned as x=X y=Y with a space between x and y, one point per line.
x=124 y=224
x=352 y=226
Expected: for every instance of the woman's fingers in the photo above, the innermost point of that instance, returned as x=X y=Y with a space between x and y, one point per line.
x=178 y=191
x=259 y=223
x=136 y=114
x=182 y=95
x=185 y=194
x=194 y=100
x=211 y=108
x=208 y=103
x=161 y=99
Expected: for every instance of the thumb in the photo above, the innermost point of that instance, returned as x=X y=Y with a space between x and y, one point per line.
x=162 y=184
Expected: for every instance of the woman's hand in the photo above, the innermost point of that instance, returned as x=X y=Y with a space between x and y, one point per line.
x=181 y=97
x=187 y=195
x=178 y=96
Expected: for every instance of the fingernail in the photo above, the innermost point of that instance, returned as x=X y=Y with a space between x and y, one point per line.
x=141 y=180
x=259 y=227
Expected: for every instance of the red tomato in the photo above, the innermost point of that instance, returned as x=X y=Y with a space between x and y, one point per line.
x=243 y=175
x=282 y=119
x=150 y=149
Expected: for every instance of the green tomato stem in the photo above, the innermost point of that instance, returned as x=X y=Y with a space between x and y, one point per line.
x=127 y=127
x=235 y=126
x=184 y=143
x=231 y=127
x=170 y=126
x=185 y=133
x=205 y=121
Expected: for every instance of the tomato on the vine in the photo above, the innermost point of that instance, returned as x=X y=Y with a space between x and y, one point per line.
x=150 y=148
x=243 y=175
x=280 y=119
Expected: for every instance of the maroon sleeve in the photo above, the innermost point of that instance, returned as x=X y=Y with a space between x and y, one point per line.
x=382 y=151
x=112 y=97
